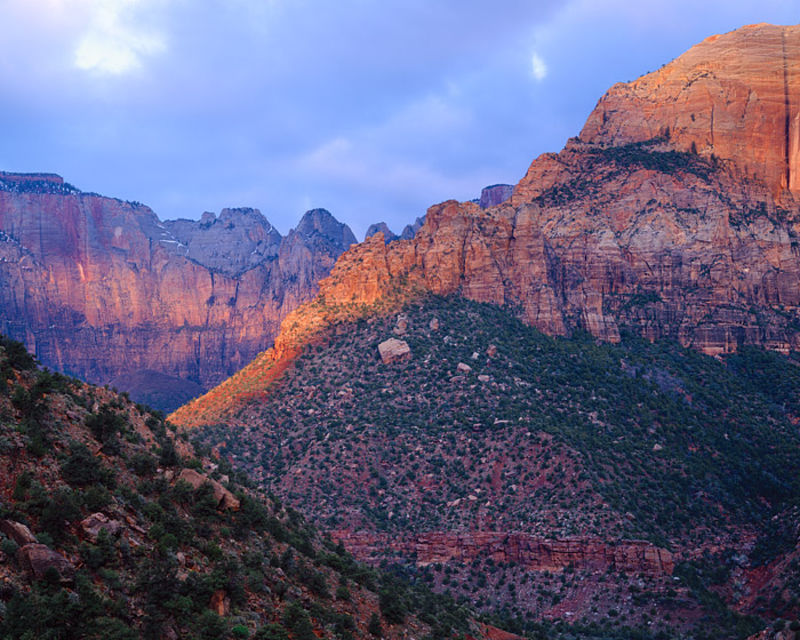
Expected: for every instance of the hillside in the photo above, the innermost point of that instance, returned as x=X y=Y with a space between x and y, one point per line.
x=111 y=527
x=542 y=475
x=104 y=290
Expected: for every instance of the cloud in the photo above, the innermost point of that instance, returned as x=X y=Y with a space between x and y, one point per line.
x=115 y=42
x=538 y=67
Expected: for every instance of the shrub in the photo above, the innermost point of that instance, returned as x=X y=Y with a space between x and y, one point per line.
x=82 y=469
x=374 y=627
x=272 y=631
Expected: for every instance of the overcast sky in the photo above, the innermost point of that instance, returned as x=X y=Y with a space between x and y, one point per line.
x=373 y=109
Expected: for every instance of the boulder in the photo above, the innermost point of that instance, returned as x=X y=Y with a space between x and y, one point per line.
x=463 y=368
x=36 y=559
x=17 y=532
x=393 y=350
x=225 y=499
x=402 y=325
x=96 y=522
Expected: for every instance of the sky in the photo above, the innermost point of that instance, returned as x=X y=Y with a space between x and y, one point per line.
x=372 y=109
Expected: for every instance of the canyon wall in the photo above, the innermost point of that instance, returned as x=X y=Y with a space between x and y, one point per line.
x=639 y=225
x=103 y=290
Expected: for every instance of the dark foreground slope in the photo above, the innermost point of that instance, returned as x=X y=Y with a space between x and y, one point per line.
x=638 y=484
x=111 y=528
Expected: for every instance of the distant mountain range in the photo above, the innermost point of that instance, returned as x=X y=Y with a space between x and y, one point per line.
x=104 y=290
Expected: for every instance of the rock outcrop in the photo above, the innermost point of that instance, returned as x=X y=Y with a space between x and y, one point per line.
x=224 y=499
x=97 y=522
x=17 y=532
x=38 y=559
x=495 y=195
x=529 y=552
x=103 y=290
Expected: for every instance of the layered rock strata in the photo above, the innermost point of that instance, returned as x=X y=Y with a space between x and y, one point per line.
x=103 y=290
x=526 y=551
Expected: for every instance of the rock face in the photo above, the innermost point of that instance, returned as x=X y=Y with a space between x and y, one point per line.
x=734 y=95
x=102 y=289
x=529 y=552
x=494 y=195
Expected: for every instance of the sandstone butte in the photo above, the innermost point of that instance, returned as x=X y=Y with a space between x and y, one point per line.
x=674 y=214
x=104 y=290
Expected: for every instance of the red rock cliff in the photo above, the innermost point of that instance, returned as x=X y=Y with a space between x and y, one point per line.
x=646 y=223
x=100 y=288
x=735 y=95
x=529 y=552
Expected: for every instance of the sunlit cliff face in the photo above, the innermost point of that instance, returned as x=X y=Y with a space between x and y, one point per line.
x=722 y=97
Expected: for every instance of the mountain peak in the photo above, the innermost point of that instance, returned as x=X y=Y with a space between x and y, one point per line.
x=382 y=227
x=322 y=222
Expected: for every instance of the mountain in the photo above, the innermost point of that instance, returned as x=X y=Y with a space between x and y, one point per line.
x=112 y=527
x=104 y=290
x=631 y=485
x=382 y=227
x=663 y=236
x=494 y=195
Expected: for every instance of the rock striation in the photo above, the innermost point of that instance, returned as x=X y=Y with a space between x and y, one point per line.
x=104 y=290
x=524 y=550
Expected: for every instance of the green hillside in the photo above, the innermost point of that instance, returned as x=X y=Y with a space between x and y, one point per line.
x=553 y=437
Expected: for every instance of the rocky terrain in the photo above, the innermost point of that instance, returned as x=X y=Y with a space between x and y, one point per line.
x=113 y=528
x=102 y=289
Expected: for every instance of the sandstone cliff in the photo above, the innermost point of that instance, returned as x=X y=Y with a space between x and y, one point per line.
x=654 y=228
x=102 y=289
